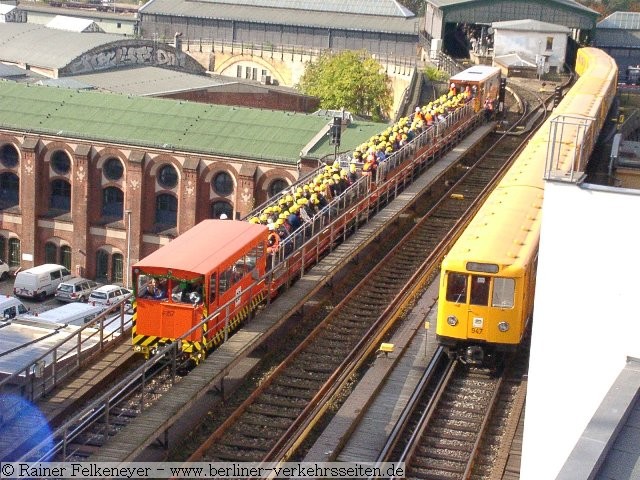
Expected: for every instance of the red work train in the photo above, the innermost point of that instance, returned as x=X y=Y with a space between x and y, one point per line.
x=202 y=285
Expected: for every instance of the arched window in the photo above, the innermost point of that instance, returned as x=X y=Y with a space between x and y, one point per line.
x=65 y=256
x=14 y=252
x=276 y=187
x=9 y=190
x=113 y=169
x=168 y=176
x=50 y=252
x=117 y=264
x=218 y=208
x=112 y=202
x=222 y=184
x=102 y=266
x=60 y=195
x=166 y=210
x=9 y=156
x=60 y=162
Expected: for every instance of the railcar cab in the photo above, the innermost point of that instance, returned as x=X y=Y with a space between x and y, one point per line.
x=214 y=266
x=480 y=310
x=482 y=82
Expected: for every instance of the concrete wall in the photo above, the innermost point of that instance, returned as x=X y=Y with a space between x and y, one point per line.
x=585 y=318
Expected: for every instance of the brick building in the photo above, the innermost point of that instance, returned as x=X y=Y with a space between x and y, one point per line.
x=96 y=181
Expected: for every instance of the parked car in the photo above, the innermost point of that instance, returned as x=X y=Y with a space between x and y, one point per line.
x=108 y=295
x=76 y=289
x=10 y=307
x=4 y=270
x=38 y=282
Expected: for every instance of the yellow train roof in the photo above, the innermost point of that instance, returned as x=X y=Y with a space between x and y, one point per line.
x=505 y=231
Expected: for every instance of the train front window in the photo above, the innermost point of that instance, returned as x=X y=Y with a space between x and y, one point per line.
x=188 y=291
x=456 y=287
x=480 y=290
x=503 y=292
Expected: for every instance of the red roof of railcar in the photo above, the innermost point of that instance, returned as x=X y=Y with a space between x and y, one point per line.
x=203 y=247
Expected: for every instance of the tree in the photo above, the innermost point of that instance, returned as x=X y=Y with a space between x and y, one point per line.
x=350 y=80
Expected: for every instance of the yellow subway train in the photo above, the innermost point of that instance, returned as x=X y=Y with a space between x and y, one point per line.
x=487 y=279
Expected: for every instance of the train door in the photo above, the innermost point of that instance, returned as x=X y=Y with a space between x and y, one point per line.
x=479 y=310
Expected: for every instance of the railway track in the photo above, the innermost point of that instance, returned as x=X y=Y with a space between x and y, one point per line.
x=461 y=421
x=90 y=433
x=276 y=417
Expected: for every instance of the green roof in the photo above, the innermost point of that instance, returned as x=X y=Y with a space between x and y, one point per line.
x=268 y=135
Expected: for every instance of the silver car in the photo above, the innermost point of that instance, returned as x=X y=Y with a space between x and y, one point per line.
x=75 y=290
x=108 y=295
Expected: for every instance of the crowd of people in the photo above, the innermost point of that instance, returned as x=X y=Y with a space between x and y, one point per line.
x=299 y=204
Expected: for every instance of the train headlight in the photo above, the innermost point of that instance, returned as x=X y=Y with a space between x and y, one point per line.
x=503 y=326
x=137 y=348
x=452 y=320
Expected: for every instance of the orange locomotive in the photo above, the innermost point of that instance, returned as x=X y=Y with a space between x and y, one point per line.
x=214 y=264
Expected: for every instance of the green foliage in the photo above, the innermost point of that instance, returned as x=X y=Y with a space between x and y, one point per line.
x=434 y=74
x=350 y=80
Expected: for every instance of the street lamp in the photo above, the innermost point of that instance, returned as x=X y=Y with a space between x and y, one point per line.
x=128 y=214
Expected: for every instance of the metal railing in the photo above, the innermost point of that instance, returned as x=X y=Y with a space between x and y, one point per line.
x=68 y=355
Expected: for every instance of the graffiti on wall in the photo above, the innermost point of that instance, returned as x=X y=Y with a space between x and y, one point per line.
x=127 y=55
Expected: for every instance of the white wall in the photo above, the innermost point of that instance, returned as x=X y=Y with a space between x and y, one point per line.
x=586 y=319
x=530 y=44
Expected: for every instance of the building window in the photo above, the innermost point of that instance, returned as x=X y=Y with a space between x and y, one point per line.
x=102 y=266
x=549 y=43
x=9 y=156
x=222 y=184
x=50 y=252
x=9 y=190
x=117 y=264
x=3 y=248
x=218 y=208
x=14 y=252
x=60 y=195
x=239 y=71
x=247 y=72
x=65 y=256
x=112 y=202
x=113 y=169
x=119 y=25
x=276 y=187
x=60 y=162
x=254 y=74
x=168 y=176
x=166 y=210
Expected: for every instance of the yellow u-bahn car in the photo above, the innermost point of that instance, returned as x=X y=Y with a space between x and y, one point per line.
x=487 y=280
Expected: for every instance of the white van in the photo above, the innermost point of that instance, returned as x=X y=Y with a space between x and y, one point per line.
x=10 y=307
x=70 y=314
x=38 y=282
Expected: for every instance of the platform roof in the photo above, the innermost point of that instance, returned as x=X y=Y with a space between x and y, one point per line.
x=360 y=15
x=609 y=448
x=249 y=133
x=569 y=13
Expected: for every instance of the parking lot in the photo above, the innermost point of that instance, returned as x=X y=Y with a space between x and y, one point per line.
x=6 y=288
